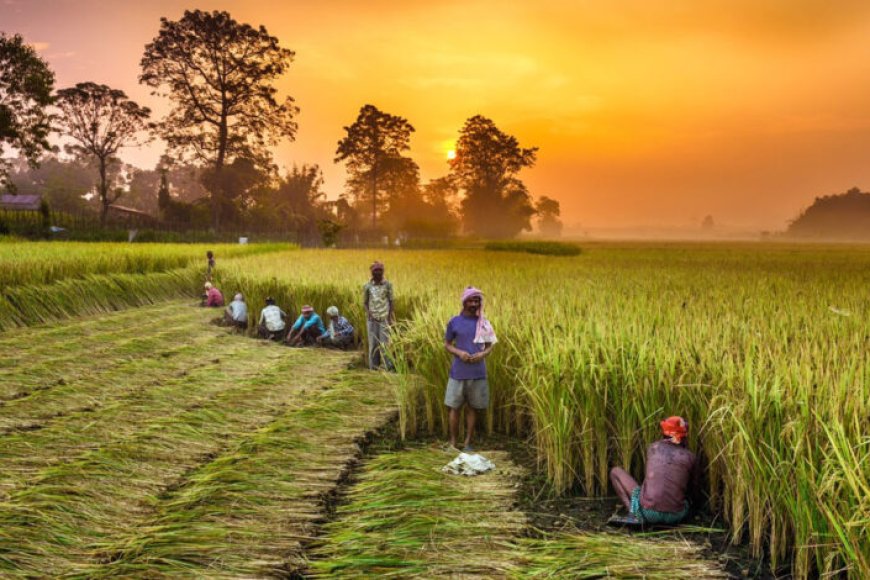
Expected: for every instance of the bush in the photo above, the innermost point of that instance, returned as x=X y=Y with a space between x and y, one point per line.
x=543 y=248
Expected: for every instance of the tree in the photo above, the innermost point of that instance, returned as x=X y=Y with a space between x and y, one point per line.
x=844 y=216
x=373 y=150
x=26 y=84
x=496 y=203
x=219 y=75
x=297 y=202
x=63 y=183
x=101 y=121
x=548 y=211
x=707 y=223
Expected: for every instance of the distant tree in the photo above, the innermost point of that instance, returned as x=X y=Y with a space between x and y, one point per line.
x=844 y=216
x=548 y=211
x=64 y=183
x=219 y=75
x=496 y=204
x=297 y=202
x=26 y=83
x=101 y=121
x=372 y=150
x=707 y=224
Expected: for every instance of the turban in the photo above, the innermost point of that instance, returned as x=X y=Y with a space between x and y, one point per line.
x=332 y=311
x=377 y=266
x=675 y=428
x=306 y=309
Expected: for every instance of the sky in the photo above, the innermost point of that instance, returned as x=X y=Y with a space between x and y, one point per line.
x=647 y=113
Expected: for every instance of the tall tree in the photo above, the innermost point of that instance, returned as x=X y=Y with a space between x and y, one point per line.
x=548 y=211
x=101 y=121
x=64 y=183
x=219 y=75
x=372 y=150
x=487 y=161
x=26 y=83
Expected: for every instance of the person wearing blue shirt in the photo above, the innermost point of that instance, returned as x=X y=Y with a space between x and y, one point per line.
x=306 y=329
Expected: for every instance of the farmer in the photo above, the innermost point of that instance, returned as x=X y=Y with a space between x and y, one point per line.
x=307 y=328
x=378 y=302
x=671 y=475
x=469 y=338
x=339 y=332
x=271 y=325
x=236 y=313
x=212 y=297
x=210 y=257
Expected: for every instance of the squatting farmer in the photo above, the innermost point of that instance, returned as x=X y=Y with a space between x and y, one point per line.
x=378 y=302
x=671 y=476
x=469 y=338
x=236 y=314
x=271 y=325
x=212 y=297
x=339 y=332
x=307 y=328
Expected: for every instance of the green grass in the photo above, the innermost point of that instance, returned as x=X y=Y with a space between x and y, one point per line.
x=405 y=518
x=540 y=248
x=97 y=470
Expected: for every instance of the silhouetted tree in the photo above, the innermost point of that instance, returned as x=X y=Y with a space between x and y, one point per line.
x=496 y=203
x=548 y=211
x=373 y=150
x=219 y=75
x=296 y=202
x=707 y=224
x=101 y=121
x=26 y=83
x=844 y=216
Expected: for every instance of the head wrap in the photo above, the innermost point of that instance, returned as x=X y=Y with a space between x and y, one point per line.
x=332 y=311
x=207 y=285
x=484 y=332
x=239 y=297
x=270 y=300
x=675 y=428
x=306 y=309
x=376 y=265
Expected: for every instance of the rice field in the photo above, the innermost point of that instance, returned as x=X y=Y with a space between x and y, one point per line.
x=764 y=348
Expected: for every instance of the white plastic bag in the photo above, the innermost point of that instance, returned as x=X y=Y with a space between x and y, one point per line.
x=468 y=464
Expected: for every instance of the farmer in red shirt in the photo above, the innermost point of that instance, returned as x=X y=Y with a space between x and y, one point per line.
x=671 y=476
x=213 y=297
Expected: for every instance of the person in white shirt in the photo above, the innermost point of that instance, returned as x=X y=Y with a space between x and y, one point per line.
x=236 y=313
x=272 y=323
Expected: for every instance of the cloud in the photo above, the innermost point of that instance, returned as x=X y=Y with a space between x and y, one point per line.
x=40 y=46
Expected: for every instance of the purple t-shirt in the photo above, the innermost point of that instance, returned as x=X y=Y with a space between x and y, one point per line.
x=461 y=330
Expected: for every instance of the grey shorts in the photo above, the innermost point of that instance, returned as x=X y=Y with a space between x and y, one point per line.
x=475 y=392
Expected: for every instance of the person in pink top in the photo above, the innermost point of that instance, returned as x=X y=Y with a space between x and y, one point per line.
x=213 y=297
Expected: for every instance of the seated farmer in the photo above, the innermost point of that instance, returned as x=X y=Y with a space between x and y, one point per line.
x=671 y=476
x=307 y=328
x=236 y=313
x=339 y=332
x=271 y=324
x=469 y=338
x=212 y=297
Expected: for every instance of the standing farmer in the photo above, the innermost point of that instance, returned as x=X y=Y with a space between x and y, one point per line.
x=378 y=301
x=469 y=338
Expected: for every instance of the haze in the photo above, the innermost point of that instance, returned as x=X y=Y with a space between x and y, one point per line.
x=647 y=113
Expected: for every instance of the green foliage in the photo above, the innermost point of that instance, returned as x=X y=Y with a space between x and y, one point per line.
x=541 y=248
x=26 y=83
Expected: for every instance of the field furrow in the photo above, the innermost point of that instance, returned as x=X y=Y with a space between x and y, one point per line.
x=407 y=519
x=57 y=523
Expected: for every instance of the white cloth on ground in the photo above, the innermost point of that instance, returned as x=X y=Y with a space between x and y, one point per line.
x=469 y=464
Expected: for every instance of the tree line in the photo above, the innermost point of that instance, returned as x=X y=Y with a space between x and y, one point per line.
x=225 y=116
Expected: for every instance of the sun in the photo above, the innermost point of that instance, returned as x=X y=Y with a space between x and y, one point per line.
x=451 y=154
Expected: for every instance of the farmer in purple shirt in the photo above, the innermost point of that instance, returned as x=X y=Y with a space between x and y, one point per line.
x=469 y=338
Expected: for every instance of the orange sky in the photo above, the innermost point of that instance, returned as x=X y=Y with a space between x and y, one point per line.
x=646 y=112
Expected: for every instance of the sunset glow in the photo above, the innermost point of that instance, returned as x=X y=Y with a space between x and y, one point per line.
x=646 y=113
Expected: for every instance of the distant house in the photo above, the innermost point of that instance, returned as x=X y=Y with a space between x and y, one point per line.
x=131 y=216
x=20 y=202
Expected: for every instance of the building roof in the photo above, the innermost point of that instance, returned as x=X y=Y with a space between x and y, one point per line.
x=20 y=202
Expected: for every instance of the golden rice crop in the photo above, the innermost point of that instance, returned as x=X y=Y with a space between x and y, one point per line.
x=763 y=349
